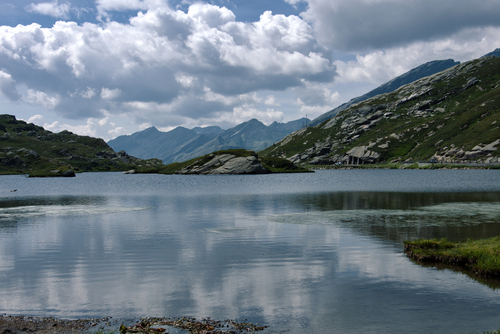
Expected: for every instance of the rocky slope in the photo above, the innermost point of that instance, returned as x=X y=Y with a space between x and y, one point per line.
x=451 y=116
x=182 y=144
x=30 y=149
x=419 y=72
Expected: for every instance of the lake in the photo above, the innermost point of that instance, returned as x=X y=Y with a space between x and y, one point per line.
x=301 y=253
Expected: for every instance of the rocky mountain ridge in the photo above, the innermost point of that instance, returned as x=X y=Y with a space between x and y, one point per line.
x=418 y=72
x=451 y=116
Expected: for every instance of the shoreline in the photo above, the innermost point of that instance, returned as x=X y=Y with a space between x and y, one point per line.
x=20 y=324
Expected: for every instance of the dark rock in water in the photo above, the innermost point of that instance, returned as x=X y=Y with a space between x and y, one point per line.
x=68 y=173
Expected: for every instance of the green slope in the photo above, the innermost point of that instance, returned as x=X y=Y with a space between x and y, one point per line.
x=452 y=116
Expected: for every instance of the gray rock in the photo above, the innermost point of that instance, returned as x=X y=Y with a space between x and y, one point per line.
x=226 y=164
x=216 y=161
x=241 y=165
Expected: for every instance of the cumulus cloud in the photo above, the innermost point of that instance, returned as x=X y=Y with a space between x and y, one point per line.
x=167 y=63
x=53 y=9
x=366 y=25
x=36 y=119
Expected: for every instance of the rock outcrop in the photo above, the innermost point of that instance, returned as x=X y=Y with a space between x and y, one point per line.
x=226 y=164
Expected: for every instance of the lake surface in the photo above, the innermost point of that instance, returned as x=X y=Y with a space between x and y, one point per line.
x=302 y=253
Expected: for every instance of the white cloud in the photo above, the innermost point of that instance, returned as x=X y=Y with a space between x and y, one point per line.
x=89 y=93
x=271 y=101
x=36 y=119
x=43 y=100
x=53 y=9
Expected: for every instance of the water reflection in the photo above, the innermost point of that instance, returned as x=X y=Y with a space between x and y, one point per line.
x=297 y=260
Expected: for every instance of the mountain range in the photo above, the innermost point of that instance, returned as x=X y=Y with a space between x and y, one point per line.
x=181 y=144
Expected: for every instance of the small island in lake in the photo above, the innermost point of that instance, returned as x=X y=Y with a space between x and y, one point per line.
x=237 y=161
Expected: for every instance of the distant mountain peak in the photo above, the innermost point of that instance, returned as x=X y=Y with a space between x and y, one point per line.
x=494 y=53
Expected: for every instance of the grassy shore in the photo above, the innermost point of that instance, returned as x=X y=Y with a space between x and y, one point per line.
x=407 y=166
x=482 y=257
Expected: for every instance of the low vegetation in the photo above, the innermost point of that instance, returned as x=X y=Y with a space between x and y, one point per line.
x=482 y=257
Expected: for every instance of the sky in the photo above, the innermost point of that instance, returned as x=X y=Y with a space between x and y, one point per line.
x=106 y=68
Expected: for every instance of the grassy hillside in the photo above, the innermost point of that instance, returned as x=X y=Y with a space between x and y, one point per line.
x=30 y=149
x=452 y=116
